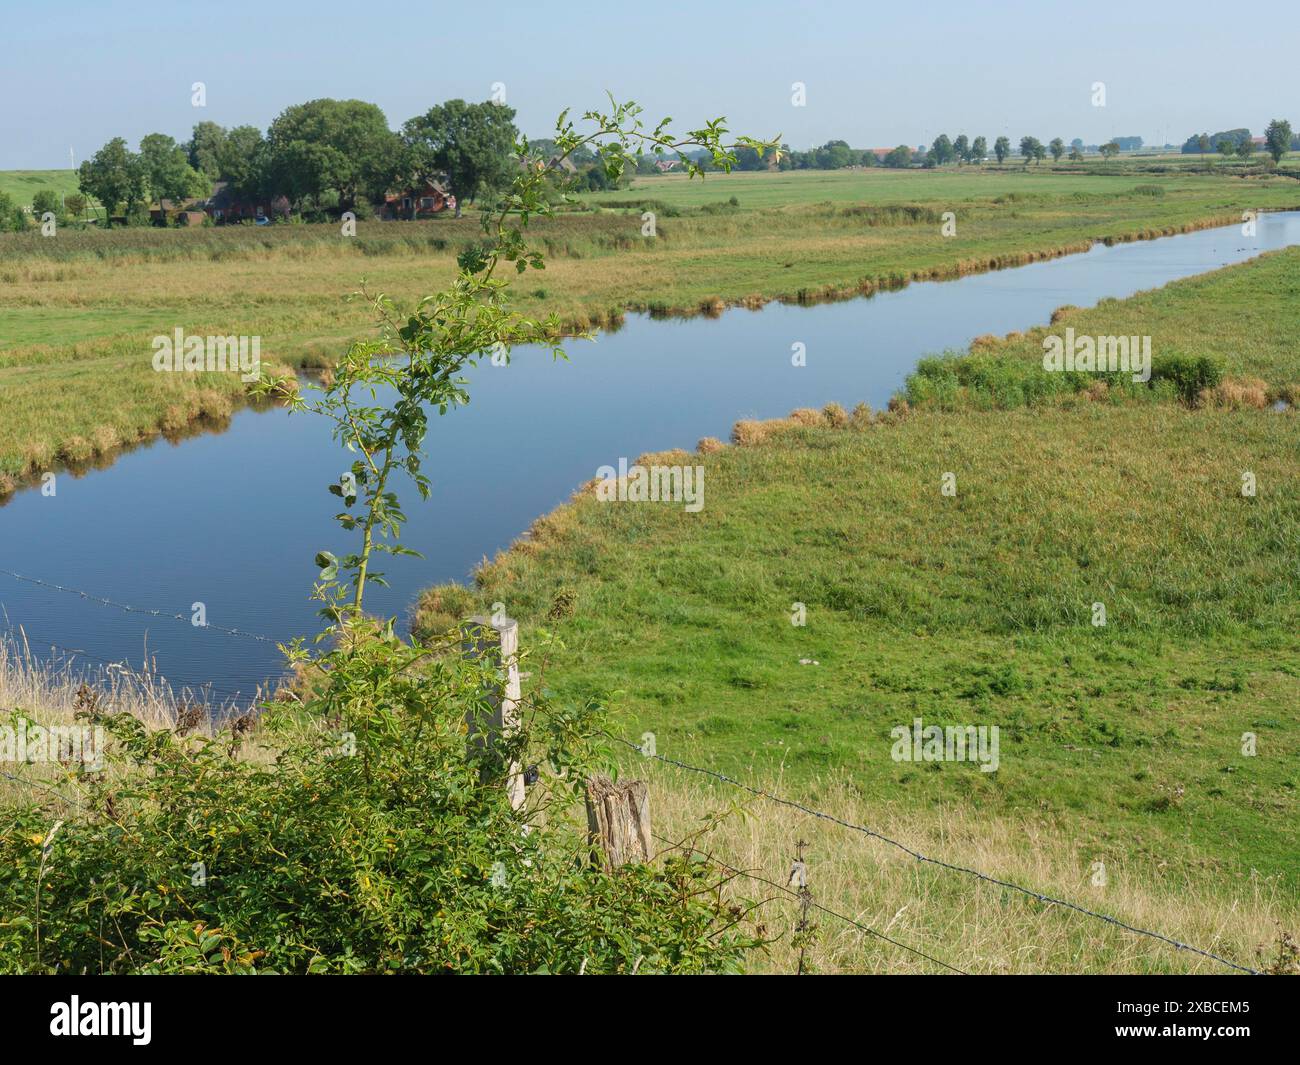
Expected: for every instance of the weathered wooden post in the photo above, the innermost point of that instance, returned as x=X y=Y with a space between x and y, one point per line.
x=618 y=820
x=498 y=644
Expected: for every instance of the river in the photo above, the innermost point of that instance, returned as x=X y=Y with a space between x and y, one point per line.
x=232 y=520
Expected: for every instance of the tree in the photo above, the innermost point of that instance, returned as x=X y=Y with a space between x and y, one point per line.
x=472 y=143
x=1076 y=156
x=900 y=157
x=1246 y=148
x=943 y=150
x=1203 y=144
x=115 y=176
x=12 y=219
x=74 y=203
x=203 y=151
x=961 y=149
x=1058 y=149
x=1001 y=148
x=343 y=146
x=978 y=150
x=1031 y=148
x=46 y=201
x=1277 y=138
x=1109 y=150
x=241 y=160
x=833 y=155
x=1227 y=148
x=168 y=171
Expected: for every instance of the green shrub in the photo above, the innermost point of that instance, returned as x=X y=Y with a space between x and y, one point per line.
x=1188 y=374
x=371 y=837
x=374 y=830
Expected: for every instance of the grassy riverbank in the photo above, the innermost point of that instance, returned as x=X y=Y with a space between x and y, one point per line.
x=78 y=311
x=977 y=608
x=1242 y=320
x=972 y=927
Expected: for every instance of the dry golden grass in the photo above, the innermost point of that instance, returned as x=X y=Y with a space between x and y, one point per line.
x=50 y=692
x=1237 y=393
x=955 y=918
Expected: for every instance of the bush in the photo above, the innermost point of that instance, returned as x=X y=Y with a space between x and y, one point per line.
x=12 y=218
x=1189 y=375
x=372 y=838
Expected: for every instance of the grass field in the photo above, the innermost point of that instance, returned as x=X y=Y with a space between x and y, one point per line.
x=881 y=185
x=77 y=312
x=1121 y=743
x=973 y=927
x=1122 y=740
x=22 y=185
x=1245 y=318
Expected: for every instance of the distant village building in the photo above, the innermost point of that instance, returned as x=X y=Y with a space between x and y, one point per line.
x=188 y=212
x=224 y=207
x=562 y=165
x=419 y=201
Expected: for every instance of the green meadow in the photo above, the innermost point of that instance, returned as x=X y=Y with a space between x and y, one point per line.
x=978 y=607
x=78 y=311
x=1097 y=583
x=22 y=185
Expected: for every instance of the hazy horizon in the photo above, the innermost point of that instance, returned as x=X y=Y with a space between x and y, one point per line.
x=83 y=76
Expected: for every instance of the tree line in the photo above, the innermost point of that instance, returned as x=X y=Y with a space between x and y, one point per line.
x=1278 y=140
x=335 y=155
x=339 y=154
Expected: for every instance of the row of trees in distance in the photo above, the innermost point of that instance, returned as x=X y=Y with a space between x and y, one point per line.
x=341 y=151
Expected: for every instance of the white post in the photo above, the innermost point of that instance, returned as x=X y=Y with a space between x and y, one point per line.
x=499 y=644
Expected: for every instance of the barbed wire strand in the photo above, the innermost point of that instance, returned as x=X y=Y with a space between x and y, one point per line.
x=46 y=788
x=812 y=902
x=225 y=630
x=759 y=792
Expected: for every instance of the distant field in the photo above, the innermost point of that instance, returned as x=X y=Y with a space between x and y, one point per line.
x=22 y=185
x=883 y=185
x=77 y=312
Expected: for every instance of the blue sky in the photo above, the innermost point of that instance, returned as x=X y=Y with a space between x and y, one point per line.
x=75 y=74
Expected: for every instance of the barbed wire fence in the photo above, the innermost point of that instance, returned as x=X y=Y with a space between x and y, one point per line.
x=801 y=895
x=939 y=862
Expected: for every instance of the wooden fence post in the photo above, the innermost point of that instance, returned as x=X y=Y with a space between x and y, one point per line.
x=618 y=820
x=499 y=644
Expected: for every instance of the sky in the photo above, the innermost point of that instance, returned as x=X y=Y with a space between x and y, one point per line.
x=75 y=74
